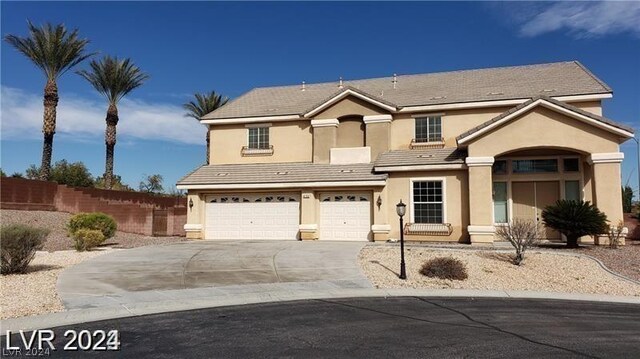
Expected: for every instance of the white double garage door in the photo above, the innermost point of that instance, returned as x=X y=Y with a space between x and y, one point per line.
x=276 y=216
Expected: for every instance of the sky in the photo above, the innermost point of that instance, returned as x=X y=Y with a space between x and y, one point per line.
x=189 y=47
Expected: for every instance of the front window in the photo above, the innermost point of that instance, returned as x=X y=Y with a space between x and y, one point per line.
x=259 y=138
x=428 y=129
x=500 y=202
x=535 y=166
x=571 y=165
x=572 y=190
x=428 y=202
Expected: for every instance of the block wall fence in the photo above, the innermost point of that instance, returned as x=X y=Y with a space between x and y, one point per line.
x=134 y=212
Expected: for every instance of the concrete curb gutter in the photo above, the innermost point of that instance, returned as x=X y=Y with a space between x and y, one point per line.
x=144 y=308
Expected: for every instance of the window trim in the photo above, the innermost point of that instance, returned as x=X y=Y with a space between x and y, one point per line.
x=427 y=117
x=444 y=196
x=258 y=128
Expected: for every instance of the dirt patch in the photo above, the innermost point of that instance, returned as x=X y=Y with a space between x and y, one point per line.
x=490 y=270
x=57 y=240
x=624 y=260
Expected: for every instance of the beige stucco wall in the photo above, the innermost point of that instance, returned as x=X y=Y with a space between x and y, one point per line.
x=292 y=142
x=349 y=106
x=590 y=106
x=324 y=139
x=454 y=123
x=456 y=202
x=542 y=127
x=351 y=132
x=377 y=138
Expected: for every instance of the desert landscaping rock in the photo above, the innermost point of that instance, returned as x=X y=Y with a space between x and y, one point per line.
x=490 y=270
x=57 y=240
x=35 y=292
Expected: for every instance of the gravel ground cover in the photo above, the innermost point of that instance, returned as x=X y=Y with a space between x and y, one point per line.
x=491 y=270
x=624 y=260
x=35 y=292
x=57 y=240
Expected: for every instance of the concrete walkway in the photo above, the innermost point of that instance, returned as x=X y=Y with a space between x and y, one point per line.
x=210 y=269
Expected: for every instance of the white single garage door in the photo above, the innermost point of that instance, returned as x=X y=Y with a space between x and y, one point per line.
x=252 y=216
x=345 y=216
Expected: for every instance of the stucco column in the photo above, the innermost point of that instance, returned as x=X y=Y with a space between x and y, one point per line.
x=377 y=133
x=308 y=217
x=607 y=187
x=195 y=217
x=380 y=227
x=325 y=134
x=481 y=229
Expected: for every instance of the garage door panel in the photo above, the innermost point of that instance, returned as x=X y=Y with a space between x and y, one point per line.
x=252 y=216
x=345 y=216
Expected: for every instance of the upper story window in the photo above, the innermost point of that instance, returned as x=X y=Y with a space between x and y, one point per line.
x=258 y=138
x=257 y=141
x=428 y=129
x=535 y=166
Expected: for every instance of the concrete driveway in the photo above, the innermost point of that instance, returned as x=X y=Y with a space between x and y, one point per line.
x=210 y=268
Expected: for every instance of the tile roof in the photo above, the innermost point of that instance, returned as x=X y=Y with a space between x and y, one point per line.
x=440 y=156
x=516 y=82
x=280 y=173
x=553 y=101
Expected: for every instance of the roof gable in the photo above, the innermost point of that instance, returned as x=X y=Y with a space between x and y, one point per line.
x=552 y=104
x=349 y=92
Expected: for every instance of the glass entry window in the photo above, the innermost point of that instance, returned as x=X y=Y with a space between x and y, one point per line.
x=500 y=203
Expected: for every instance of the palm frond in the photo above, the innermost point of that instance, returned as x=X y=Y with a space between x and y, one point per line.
x=54 y=50
x=204 y=103
x=114 y=78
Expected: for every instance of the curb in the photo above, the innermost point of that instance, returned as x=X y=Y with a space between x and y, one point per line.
x=79 y=316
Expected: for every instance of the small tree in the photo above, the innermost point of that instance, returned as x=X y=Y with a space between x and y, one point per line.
x=627 y=199
x=152 y=184
x=522 y=234
x=575 y=219
x=116 y=184
x=2 y=174
x=17 y=175
x=73 y=174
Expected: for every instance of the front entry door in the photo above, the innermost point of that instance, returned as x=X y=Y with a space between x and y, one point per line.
x=530 y=199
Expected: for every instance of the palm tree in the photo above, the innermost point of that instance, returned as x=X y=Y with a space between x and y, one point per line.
x=54 y=51
x=204 y=103
x=114 y=78
x=575 y=219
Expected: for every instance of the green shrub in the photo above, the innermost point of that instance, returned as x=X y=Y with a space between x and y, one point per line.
x=19 y=246
x=86 y=239
x=99 y=221
x=444 y=268
x=575 y=219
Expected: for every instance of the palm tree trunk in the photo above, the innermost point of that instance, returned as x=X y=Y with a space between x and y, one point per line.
x=110 y=142
x=208 y=143
x=48 y=127
x=572 y=241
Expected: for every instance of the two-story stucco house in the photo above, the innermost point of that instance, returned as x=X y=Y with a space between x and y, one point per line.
x=465 y=150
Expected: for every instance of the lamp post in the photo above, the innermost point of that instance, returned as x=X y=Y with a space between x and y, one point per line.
x=401 y=209
x=638 y=155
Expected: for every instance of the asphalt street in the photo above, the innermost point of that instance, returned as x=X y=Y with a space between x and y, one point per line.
x=398 y=327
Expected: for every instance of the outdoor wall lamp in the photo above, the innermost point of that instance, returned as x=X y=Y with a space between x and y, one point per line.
x=190 y=203
x=401 y=209
x=379 y=202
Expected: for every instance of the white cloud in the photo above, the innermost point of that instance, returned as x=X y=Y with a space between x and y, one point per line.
x=21 y=117
x=581 y=19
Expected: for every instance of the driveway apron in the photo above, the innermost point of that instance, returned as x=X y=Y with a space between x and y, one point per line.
x=210 y=268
